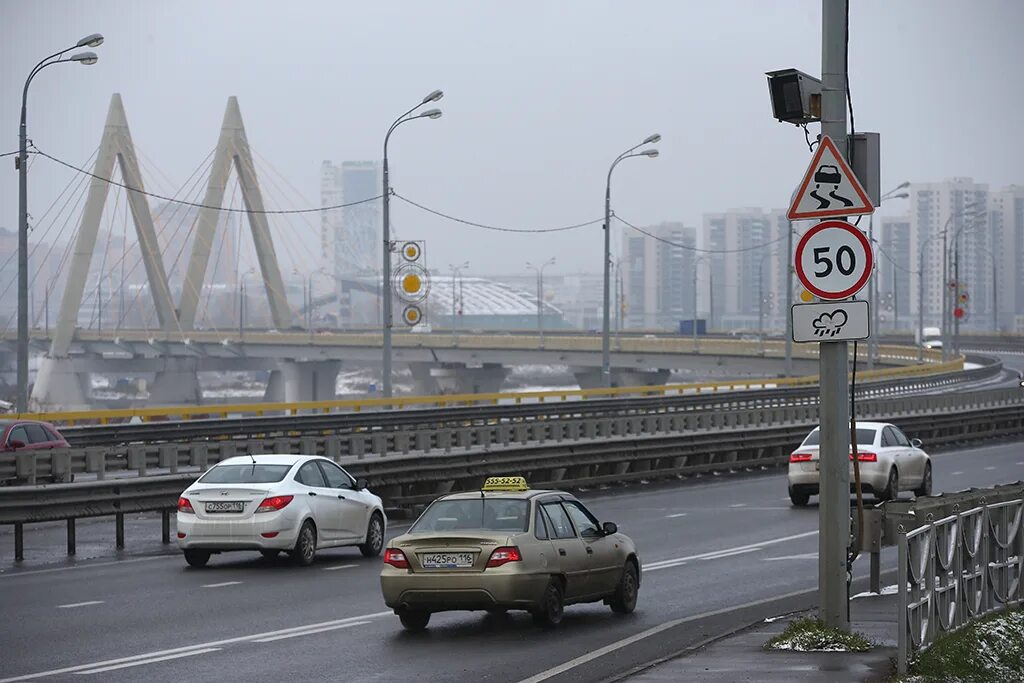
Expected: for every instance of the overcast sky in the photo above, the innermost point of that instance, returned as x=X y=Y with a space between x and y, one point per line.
x=540 y=96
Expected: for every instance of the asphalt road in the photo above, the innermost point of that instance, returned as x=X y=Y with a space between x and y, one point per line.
x=708 y=547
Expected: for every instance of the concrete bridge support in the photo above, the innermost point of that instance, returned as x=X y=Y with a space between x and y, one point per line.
x=590 y=378
x=60 y=386
x=303 y=381
x=455 y=378
x=176 y=384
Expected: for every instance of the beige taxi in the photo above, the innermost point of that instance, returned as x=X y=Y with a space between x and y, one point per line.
x=508 y=547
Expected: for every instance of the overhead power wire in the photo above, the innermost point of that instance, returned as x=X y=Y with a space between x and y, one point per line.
x=496 y=228
x=695 y=249
x=197 y=205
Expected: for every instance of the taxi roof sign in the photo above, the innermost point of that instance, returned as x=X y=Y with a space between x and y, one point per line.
x=505 y=484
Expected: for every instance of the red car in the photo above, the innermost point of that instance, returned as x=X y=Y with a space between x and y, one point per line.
x=29 y=435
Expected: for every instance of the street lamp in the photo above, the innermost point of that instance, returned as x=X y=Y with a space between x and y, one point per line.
x=946 y=313
x=86 y=58
x=760 y=301
x=386 y=272
x=540 y=294
x=606 y=363
x=873 y=339
x=978 y=213
x=696 y=265
x=995 y=288
x=456 y=273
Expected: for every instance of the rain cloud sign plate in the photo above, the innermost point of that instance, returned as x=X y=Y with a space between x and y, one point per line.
x=835 y=321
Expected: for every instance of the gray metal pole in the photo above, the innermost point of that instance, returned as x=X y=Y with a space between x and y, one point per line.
x=606 y=361
x=995 y=299
x=873 y=297
x=385 y=290
x=540 y=319
x=696 y=347
x=834 y=508
x=945 y=292
x=956 y=293
x=21 y=402
x=920 y=302
x=760 y=305
x=789 y=300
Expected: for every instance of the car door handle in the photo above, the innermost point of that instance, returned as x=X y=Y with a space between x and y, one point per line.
x=561 y=551
x=590 y=551
x=312 y=493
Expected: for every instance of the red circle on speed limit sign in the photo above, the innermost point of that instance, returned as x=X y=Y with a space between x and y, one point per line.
x=833 y=260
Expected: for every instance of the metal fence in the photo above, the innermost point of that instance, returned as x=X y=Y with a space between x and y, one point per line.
x=957 y=569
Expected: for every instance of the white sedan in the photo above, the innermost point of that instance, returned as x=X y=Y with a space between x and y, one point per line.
x=889 y=463
x=274 y=503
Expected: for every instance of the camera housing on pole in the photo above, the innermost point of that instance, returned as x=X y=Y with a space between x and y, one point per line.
x=796 y=96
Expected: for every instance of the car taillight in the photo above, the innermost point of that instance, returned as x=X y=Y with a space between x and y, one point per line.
x=867 y=457
x=799 y=457
x=504 y=555
x=185 y=505
x=396 y=558
x=274 y=503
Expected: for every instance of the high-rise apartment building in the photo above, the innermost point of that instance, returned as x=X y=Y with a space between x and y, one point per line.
x=350 y=237
x=894 y=269
x=747 y=281
x=1006 y=255
x=656 y=277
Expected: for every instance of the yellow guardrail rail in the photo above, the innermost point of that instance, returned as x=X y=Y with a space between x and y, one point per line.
x=165 y=413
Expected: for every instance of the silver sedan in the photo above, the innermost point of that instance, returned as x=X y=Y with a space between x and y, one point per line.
x=889 y=463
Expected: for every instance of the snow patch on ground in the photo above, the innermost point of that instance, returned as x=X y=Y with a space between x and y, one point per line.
x=888 y=590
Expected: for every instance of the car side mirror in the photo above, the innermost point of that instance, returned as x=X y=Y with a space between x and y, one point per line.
x=916 y=443
x=15 y=444
x=361 y=484
x=609 y=528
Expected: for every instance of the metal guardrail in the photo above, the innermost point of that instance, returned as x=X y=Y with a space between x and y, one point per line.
x=956 y=569
x=934 y=366
x=342 y=423
x=616 y=451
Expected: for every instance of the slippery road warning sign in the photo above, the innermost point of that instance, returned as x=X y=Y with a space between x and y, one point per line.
x=829 y=188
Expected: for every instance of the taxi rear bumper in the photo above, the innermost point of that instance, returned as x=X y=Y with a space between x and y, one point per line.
x=441 y=592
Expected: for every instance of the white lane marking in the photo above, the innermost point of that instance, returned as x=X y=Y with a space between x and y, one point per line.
x=805 y=556
x=31 y=572
x=148 y=661
x=957 y=474
x=738 y=505
x=665 y=564
x=1020 y=463
x=80 y=604
x=311 y=631
x=990 y=468
x=678 y=514
x=340 y=566
x=619 y=644
x=190 y=648
x=731 y=553
x=220 y=585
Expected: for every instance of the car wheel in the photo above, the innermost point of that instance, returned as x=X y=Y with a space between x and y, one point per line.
x=269 y=554
x=623 y=601
x=549 y=611
x=374 y=537
x=197 y=558
x=926 y=483
x=414 y=619
x=305 y=545
x=800 y=500
x=892 y=487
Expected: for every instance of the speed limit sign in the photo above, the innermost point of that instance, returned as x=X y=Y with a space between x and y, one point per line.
x=833 y=260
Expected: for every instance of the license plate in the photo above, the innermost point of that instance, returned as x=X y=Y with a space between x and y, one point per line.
x=225 y=506
x=447 y=560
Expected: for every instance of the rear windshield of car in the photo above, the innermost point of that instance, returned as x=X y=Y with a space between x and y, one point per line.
x=865 y=437
x=486 y=514
x=245 y=474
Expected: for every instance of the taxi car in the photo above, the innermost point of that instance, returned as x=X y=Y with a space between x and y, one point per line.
x=508 y=547
x=889 y=463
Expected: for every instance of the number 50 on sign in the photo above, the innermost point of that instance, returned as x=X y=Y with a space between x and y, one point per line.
x=833 y=260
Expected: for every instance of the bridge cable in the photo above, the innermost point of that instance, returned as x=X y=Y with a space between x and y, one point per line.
x=695 y=249
x=484 y=226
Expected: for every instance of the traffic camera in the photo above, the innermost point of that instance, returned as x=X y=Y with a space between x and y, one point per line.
x=796 y=96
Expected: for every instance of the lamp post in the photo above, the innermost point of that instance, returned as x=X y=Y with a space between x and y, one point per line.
x=540 y=295
x=456 y=273
x=85 y=58
x=946 y=312
x=760 y=301
x=696 y=265
x=995 y=290
x=606 y=364
x=242 y=305
x=386 y=264
x=873 y=339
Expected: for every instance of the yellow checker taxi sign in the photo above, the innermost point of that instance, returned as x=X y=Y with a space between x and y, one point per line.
x=505 y=484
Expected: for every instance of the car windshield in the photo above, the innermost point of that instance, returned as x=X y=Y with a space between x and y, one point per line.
x=485 y=514
x=865 y=437
x=245 y=474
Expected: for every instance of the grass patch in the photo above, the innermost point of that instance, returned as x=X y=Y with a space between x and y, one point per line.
x=808 y=634
x=991 y=649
